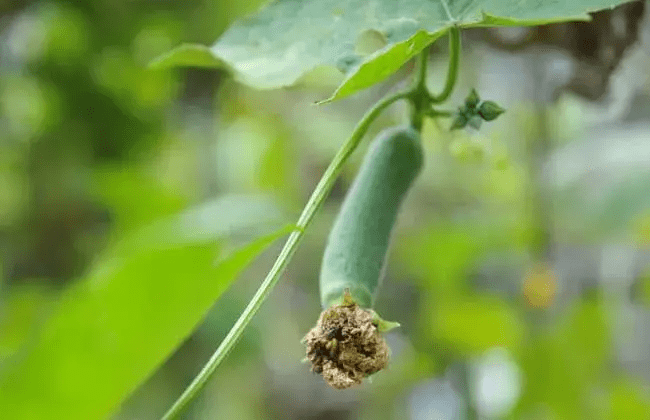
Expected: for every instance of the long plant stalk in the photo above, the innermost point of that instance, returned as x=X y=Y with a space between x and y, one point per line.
x=420 y=97
x=315 y=201
x=452 y=72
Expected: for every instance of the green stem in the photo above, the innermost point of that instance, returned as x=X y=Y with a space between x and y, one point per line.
x=452 y=73
x=419 y=97
x=315 y=201
x=423 y=60
x=435 y=113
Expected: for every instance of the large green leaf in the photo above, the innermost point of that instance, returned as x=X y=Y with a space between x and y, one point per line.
x=112 y=329
x=365 y=39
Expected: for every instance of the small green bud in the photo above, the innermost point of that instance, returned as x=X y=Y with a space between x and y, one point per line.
x=475 y=122
x=460 y=121
x=472 y=99
x=489 y=110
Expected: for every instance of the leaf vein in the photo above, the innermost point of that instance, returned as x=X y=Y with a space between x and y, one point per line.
x=446 y=7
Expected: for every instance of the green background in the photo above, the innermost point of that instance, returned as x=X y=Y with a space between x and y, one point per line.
x=131 y=198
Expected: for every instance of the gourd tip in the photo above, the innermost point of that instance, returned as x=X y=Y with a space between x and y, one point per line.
x=346 y=345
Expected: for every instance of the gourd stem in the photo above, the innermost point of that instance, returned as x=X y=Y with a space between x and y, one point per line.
x=435 y=113
x=315 y=201
x=420 y=96
x=452 y=72
x=423 y=60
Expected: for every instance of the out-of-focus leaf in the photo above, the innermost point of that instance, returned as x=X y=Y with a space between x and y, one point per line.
x=439 y=256
x=584 y=336
x=134 y=198
x=473 y=324
x=442 y=255
x=549 y=381
x=565 y=364
x=20 y=308
x=288 y=38
x=111 y=330
x=188 y=55
x=237 y=215
x=629 y=400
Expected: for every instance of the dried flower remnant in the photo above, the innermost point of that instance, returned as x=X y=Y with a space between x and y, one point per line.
x=346 y=346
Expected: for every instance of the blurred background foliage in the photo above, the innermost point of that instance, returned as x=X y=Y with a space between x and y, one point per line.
x=130 y=198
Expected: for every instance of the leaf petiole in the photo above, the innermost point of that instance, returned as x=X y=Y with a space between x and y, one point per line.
x=452 y=73
x=435 y=113
x=420 y=97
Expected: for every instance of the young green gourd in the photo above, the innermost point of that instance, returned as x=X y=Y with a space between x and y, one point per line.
x=358 y=243
x=346 y=346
